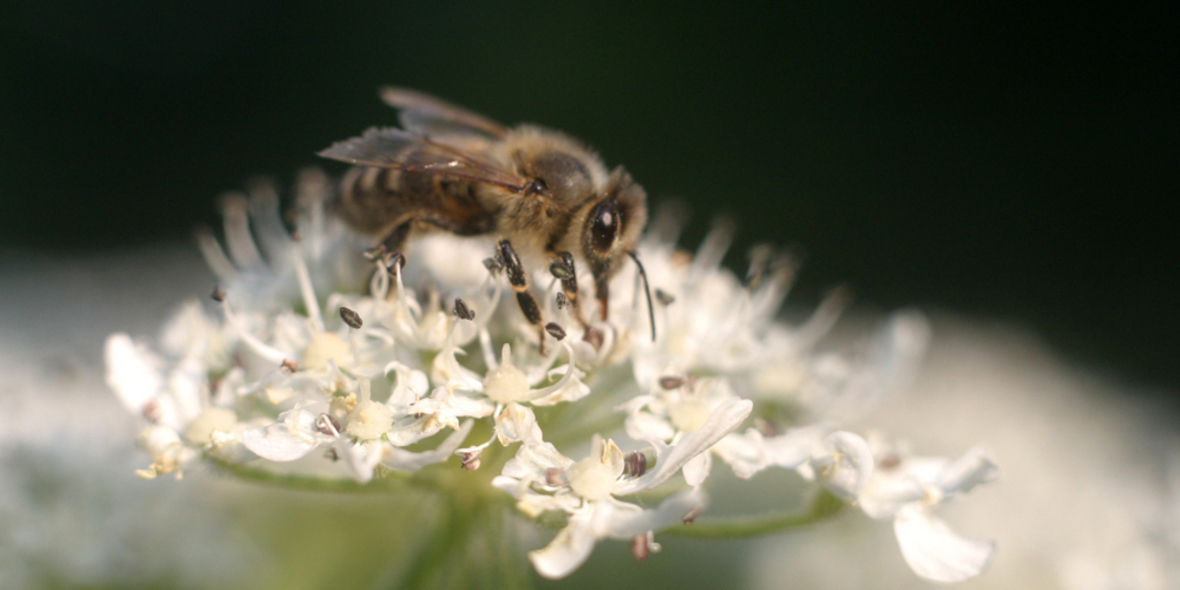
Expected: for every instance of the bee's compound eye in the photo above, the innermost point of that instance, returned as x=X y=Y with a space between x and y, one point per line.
x=605 y=226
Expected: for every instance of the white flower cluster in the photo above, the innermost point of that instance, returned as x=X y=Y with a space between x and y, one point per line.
x=325 y=365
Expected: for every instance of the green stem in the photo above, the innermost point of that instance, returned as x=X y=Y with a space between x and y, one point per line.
x=823 y=507
x=394 y=482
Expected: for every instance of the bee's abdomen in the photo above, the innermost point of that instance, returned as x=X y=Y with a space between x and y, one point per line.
x=374 y=200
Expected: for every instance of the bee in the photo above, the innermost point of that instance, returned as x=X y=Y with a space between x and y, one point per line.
x=545 y=194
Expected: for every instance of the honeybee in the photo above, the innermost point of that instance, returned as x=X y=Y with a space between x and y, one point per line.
x=544 y=193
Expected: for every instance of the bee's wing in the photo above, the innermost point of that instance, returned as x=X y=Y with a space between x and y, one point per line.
x=435 y=118
x=401 y=150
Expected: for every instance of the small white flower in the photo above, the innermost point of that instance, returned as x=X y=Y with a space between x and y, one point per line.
x=909 y=491
x=542 y=479
x=345 y=365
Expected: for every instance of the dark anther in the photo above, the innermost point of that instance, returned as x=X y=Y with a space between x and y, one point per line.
x=289 y=365
x=561 y=270
x=671 y=382
x=327 y=424
x=376 y=252
x=635 y=464
x=888 y=461
x=665 y=298
x=352 y=318
x=594 y=337
x=332 y=455
x=462 y=311
x=555 y=330
x=640 y=547
x=396 y=262
x=218 y=295
x=493 y=264
x=760 y=257
x=562 y=301
x=766 y=427
x=692 y=515
x=470 y=460
x=554 y=476
x=151 y=411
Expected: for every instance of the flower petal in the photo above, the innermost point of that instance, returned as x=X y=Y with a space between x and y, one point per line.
x=724 y=420
x=937 y=553
x=646 y=426
x=132 y=371
x=697 y=469
x=569 y=549
x=625 y=523
x=517 y=423
x=963 y=474
x=361 y=457
x=744 y=453
x=403 y=460
x=851 y=466
x=283 y=442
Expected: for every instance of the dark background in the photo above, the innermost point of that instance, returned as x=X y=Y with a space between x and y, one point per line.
x=1013 y=163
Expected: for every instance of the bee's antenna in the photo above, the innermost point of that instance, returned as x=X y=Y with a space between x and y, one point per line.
x=651 y=310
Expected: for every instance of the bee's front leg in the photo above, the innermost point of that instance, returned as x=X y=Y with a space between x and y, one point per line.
x=518 y=278
x=563 y=269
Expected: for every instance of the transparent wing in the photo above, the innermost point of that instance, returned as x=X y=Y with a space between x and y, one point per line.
x=401 y=150
x=432 y=117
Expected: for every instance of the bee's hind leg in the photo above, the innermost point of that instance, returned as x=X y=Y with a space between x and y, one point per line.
x=524 y=297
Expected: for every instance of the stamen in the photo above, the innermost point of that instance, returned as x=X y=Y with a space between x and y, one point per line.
x=215 y=256
x=470 y=460
x=376 y=253
x=306 y=290
x=290 y=366
x=264 y=211
x=671 y=382
x=351 y=318
x=823 y=317
x=759 y=257
x=554 y=477
x=713 y=248
x=261 y=348
x=242 y=249
x=664 y=297
x=641 y=546
x=462 y=311
x=218 y=295
x=312 y=190
x=593 y=337
x=327 y=424
x=635 y=464
x=555 y=330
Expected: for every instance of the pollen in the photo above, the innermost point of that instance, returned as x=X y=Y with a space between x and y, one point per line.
x=506 y=383
x=323 y=347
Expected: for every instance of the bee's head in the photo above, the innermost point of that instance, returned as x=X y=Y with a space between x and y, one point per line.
x=612 y=226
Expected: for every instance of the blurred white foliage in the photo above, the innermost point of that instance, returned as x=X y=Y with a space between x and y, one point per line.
x=1089 y=501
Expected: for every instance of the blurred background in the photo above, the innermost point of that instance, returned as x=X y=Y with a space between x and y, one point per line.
x=1010 y=163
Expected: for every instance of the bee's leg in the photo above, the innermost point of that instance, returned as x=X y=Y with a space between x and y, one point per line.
x=564 y=270
x=524 y=297
x=393 y=242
